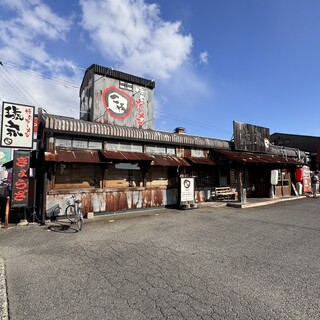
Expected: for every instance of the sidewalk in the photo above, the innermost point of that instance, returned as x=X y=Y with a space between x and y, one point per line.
x=251 y=202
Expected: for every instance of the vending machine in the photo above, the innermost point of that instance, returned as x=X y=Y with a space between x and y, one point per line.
x=303 y=178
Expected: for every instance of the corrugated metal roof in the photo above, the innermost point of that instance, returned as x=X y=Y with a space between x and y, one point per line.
x=86 y=156
x=201 y=160
x=60 y=124
x=167 y=161
x=83 y=156
x=247 y=157
x=125 y=156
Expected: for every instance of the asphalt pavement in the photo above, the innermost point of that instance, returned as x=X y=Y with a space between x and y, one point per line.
x=213 y=262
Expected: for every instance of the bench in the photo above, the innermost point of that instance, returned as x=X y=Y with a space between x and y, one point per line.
x=220 y=193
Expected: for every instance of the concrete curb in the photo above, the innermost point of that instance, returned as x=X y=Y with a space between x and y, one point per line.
x=4 y=315
x=243 y=205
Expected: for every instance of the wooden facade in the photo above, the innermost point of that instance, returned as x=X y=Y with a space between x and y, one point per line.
x=119 y=168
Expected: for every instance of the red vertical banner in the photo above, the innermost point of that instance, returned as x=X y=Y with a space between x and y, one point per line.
x=35 y=124
x=20 y=179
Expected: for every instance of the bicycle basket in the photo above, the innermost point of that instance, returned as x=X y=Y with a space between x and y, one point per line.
x=53 y=211
x=70 y=201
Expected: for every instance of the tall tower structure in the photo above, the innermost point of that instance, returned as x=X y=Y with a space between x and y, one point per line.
x=113 y=97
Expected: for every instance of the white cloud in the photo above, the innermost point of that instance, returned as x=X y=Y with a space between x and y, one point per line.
x=131 y=33
x=55 y=96
x=25 y=31
x=128 y=34
x=204 y=57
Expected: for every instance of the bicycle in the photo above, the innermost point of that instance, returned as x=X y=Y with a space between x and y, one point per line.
x=73 y=212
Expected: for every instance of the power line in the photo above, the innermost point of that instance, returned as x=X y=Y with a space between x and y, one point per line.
x=14 y=86
x=19 y=84
x=57 y=81
x=63 y=83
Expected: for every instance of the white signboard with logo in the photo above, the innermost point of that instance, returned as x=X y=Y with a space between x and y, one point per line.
x=17 y=126
x=186 y=189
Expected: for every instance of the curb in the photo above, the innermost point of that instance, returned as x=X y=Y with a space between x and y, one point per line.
x=4 y=315
x=243 y=205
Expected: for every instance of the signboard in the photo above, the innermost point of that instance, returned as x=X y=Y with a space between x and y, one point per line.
x=17 y=126
x=186 y=189
x=127 y=166
x=20 y=179
x=248 y=137
x=274 y=177
x=35 y=124
x=306 y=179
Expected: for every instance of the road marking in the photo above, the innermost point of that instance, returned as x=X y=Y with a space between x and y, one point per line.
x=3 y=293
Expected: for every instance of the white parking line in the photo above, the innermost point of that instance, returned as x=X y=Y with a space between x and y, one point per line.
x=3 y=293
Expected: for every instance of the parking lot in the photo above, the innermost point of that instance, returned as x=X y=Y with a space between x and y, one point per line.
x=206 y=263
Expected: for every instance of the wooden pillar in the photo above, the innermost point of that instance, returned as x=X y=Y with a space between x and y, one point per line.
x=242 y=192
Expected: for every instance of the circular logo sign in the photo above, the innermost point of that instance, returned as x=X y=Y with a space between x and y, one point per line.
x=266 y=143
x=117 y=103
x=186 y=183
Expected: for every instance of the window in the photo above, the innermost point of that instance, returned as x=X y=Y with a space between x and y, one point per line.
x=63 y=143
x=95 y=145
x=111 y=146
x=123 y=175
x=204 y=175
x=197 y=153
x=75 y=175
x=162 y=150
x=125 y=85
x=80 y=144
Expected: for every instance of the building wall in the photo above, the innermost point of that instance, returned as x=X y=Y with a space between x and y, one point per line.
x=305 y=143
x=110 y=200
x=116 y=98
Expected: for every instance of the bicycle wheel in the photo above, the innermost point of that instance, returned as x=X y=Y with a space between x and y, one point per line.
x=71 y=213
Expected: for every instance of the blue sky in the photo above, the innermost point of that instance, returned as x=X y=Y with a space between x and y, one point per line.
x=213 y=61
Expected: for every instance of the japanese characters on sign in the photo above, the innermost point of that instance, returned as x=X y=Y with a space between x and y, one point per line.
x=248 y=137
x=20 y=178
x=117 y=103
x=17 y=126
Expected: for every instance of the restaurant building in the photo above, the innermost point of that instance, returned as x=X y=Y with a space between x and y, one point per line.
x=114 y=160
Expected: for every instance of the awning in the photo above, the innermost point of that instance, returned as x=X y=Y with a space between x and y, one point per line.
x=33 y=163
x=168 y=161
x=201 y=160
x=82 y=156
x=248 y=157
x=125 y=156
x=8 y=165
